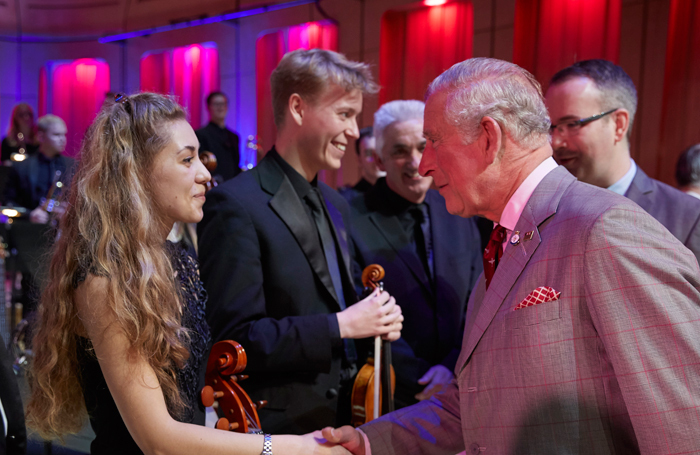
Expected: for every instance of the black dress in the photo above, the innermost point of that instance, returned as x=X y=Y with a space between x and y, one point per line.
x=111 y=434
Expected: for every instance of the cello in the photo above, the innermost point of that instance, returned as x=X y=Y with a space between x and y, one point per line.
x=226 y=361
x=375 y=383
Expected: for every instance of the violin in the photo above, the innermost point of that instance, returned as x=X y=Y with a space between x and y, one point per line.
x=375 y=383
x=209 y=161
x=226 y=361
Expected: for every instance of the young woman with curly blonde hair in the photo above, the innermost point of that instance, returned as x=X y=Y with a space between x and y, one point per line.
x=121 y=332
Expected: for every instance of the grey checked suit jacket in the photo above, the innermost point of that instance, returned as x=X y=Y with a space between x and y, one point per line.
x=612 y=367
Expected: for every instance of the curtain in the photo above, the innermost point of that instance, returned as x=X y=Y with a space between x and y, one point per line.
x=269 y=50
x=417 y=45
x=189 y=72
x=552 y=34
x=681 y=95
x=155 y=72
x=73 y=90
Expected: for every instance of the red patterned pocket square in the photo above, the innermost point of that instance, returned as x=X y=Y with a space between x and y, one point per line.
x=542 y=294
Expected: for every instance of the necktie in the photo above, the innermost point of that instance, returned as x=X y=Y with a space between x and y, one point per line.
x=327 y=242
x=422 y=237
x=315 y=201
x=493 y=252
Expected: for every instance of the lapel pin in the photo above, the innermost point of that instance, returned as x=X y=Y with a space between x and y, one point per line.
x=529 y=234
x=515 y=238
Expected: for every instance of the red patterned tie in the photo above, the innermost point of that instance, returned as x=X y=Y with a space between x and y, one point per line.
x=493 y=252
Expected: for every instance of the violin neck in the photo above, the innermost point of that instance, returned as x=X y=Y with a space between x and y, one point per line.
x=387 y=396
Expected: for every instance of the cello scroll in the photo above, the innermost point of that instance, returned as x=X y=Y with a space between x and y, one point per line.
x=226 y=361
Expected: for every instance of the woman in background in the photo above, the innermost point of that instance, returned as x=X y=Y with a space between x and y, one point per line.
x=122 y=331
x=21 y=134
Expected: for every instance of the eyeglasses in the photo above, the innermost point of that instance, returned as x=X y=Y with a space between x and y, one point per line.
x=572 y=127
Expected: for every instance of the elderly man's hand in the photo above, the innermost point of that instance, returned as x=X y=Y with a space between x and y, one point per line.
x=436 y=378
x=347 y=437
x=315 y=444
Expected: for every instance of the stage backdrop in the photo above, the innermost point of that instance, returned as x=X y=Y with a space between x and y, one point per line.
x=681 y=107
x=73 y=90
x=552 y=34
x=190 y=73
x=417 y=45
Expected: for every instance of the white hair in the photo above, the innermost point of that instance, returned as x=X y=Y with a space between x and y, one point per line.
x=510 y=95
x=395 y=111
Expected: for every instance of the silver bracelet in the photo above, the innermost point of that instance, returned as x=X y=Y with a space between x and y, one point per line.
x=267 y=445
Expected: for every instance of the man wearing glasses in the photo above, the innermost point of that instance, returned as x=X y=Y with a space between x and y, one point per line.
x=592 y=105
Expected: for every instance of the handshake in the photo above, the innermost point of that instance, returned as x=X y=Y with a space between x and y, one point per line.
x=343 y=440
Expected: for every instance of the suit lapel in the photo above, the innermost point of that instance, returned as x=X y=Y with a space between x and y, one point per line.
x=542 y=204
x=640 y=190
x=440 y=219
x=286 y=204
x=390 y=228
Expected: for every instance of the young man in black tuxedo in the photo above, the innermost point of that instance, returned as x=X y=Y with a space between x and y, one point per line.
x=215 y=137
x=275 y=252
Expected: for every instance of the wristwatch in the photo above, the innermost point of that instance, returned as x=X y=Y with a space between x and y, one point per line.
x=267 y=445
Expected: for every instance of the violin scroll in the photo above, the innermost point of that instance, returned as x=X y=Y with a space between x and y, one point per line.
x=371 y=276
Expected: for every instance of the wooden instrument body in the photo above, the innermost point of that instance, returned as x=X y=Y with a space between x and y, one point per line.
x=362 y=400
x=209 y=161
x=226 y=361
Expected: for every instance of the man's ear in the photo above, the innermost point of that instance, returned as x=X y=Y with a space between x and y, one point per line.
x=491 y=138
x=296 y=108
x=621 y=117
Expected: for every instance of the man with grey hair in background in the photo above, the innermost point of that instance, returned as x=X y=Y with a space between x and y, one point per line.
x=688 y=171
x=592 y=105
x=582 y=336
x=432 y=259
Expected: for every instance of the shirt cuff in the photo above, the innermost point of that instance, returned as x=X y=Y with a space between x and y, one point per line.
x=368 y=449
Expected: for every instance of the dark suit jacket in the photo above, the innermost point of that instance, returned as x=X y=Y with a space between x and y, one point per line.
x=269 y=289
x=21 y=189
x=223 y=143
x=434 y=316
x=16 y=441
x=677 y=211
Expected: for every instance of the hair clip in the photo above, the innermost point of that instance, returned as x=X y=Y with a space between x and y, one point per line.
x=121 y=98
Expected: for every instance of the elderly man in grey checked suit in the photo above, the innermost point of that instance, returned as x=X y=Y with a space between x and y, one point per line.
x=582 y=335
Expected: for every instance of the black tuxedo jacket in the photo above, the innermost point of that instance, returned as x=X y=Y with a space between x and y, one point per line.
x=677 y=211
x=224 y=144
x=269 y=289
x=434 y=315
x=22 y=189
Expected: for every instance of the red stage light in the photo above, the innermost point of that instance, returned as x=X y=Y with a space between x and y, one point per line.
x=434 y=2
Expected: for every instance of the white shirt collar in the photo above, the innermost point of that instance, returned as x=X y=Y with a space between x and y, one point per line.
x=693 y=193
x=516 y=204
x=621 y=186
